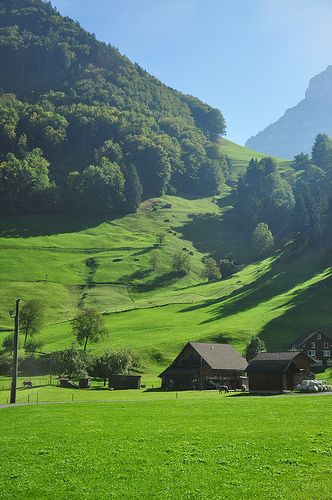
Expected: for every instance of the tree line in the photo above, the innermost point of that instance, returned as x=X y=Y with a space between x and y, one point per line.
x=295 y=205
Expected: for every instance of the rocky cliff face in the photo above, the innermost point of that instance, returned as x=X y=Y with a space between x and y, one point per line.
x=296 y=130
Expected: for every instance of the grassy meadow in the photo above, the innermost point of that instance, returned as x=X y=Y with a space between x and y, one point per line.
x=225 y=447
x=240 y=157
x=156 y=313
x=74 y=262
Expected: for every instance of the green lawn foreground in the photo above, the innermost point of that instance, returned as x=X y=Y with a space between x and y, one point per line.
x=229 y=447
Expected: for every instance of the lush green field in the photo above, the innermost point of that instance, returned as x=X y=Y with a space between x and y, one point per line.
x=229 y=447
x=240 y=157
x=157 y=313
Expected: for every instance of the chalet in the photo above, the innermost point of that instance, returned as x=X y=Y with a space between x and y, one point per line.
x=317 y=345
x=205 y=366
x=278 y=371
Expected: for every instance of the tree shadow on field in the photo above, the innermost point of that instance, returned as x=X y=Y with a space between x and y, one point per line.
x=140 y=274
x=47 y=225
x=246 y=394
x=143 y=251
x=162 y=280
x=218 y=235
x=307 y=310
x=275 y=282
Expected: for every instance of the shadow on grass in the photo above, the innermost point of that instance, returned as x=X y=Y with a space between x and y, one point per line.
x=46 y=225
x=279 y=279
x=143 y=251
x=253 y=394
x=218 y=235
x=155 y=389
x=307 y=310
x=162 y=280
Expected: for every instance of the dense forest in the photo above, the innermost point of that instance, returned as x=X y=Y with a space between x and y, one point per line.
x=294 y=206
x=84 y=129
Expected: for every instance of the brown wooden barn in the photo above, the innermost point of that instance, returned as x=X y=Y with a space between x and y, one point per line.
x=205 y=366
x=317 y=345
x=278 y=371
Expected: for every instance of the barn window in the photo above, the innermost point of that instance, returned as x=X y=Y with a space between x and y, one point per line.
x=326 y=353
x=319 y=336
x=313 y=344
x=326 y=345
x=312 y=353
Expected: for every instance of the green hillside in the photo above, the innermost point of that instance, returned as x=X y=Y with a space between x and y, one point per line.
x=240 y=157
x=156 y=313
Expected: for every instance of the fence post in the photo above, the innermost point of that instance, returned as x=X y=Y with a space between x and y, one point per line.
x=176 y=395
x=28 y=398
x=72 y=398
x=37 y=398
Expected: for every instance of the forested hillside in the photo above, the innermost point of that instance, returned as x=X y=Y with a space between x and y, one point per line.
x=83 y=129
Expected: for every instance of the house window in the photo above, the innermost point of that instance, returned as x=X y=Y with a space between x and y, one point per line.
x=326 y=345
x=313 y=344
x=327 y=353
x=319 y=336
x=312 y=353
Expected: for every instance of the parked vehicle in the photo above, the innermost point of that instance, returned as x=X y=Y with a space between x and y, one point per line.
x=313 y=386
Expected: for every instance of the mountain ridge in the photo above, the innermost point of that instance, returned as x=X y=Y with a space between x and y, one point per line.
x=296 y=130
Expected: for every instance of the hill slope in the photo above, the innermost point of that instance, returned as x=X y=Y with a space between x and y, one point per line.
x=157 y=312
x=296 y=130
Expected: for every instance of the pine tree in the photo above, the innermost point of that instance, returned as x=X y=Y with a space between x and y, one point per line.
x=254 y=347
x=321 y=151
x=133 y=189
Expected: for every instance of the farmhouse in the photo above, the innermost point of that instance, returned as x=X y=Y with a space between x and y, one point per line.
x=278 y=371
x=317 y=345
x=205 y=366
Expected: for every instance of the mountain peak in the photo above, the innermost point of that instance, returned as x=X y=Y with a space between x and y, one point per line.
x=296 y=130
x=321 y=84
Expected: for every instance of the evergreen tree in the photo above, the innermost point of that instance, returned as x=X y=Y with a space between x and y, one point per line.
x=321 y=151
x=133 y=189
x=254 y=347
x=301 y=161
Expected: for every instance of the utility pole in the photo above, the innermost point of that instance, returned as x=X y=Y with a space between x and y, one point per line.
x=15 y=353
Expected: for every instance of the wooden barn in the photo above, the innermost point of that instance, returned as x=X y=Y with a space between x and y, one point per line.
x=124 y=382
x=278 y=371
x=205 y=366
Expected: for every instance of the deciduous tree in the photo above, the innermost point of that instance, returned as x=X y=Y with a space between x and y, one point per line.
x=89 y=325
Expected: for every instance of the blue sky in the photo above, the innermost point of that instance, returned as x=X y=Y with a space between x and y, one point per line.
x=252 y=59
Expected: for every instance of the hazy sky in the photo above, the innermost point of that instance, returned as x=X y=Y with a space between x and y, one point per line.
x=252 y=59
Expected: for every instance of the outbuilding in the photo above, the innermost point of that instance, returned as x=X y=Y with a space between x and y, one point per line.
x=205 y=366
x=278 y=371
x=124 y=382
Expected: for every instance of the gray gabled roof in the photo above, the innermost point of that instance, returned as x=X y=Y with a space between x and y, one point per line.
x=277 y=356
x=217 y=356
x=274 y=362
x=220 y=356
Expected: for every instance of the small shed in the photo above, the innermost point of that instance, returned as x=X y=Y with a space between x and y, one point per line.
x=278 y=371
x=205 y=366
x=124 y=381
